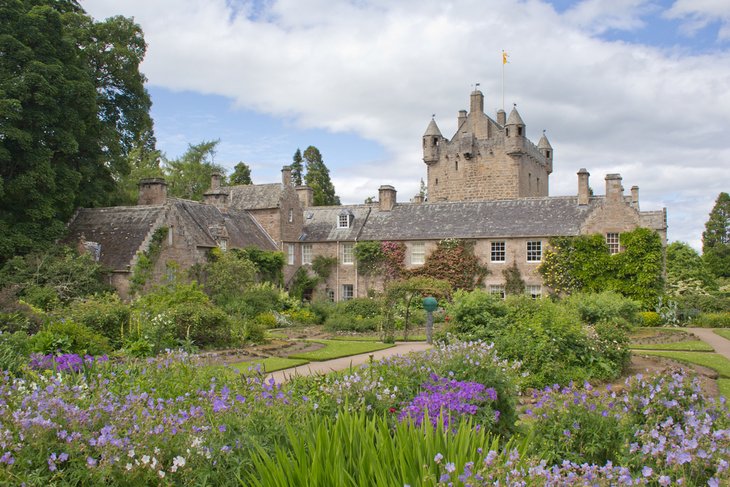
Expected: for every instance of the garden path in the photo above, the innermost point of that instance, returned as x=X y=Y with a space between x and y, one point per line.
x=327 y=366
x=720 y=344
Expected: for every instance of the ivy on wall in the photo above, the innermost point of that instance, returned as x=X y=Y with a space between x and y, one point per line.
x=583 y=263
x=514 y=285
x=146 y=261
x=454 y=261
x=383 y=258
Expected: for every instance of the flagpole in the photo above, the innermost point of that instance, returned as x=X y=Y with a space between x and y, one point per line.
x=503 y=63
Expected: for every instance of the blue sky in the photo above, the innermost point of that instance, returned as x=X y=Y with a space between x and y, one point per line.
x=640 y=87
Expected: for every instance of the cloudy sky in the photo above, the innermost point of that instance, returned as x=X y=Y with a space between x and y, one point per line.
x=638 y=87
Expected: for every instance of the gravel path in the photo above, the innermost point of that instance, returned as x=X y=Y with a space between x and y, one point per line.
x=327 y=366
x=720 y=344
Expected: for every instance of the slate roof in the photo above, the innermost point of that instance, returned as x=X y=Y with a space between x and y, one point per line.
x=529 y=217
x=120 y=231
x=254 y=196
x=320 y=223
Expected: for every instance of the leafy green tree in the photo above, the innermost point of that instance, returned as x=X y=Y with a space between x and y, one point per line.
x=318 y=178
x=143 y=164
x=716 y=237
x=228 y=276
x=72 y=105
x=241 y=174
x=297 y=168
x=687 y=273
x=189 y=176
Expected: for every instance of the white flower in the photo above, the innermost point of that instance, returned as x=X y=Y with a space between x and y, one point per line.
x=145 y=459
x=161 y=473
x=178 y=461
x=129 y=466
x=130 y=453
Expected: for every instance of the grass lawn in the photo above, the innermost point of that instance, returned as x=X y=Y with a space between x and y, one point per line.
x=649 y=331
x=723 y=332
x=340 y=348
x=724 y=386
x=687 y=345
x=712 y=360
x=376 y=338
x=270 y=364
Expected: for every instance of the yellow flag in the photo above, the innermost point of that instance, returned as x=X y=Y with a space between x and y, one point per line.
x=504 y=57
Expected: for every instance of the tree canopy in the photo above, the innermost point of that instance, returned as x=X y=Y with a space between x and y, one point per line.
x=318 y=178
x=189 y=176
x=72 y=107
x=241 y=174
x=687 y=273
x=297 y=168
x=716 y=237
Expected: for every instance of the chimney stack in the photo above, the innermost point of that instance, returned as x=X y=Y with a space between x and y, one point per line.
x=215 y=181
x=461 y=120
x=635 y=197
x=583 y=189
x=306 y=196
x=286 y=175
x=386 y=197
x=477 y=102
x=614 y=189
x=418 y=199
x=152 y=191
x=501 y=117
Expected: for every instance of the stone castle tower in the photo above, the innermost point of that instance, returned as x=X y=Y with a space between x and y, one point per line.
x=486 y=159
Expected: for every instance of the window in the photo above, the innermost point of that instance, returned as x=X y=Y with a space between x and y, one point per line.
x=418 y=253
x=519 y=130
x=497 y=290
x=343 y=221
x=290 y=254
x=348 y=292
x=534 y=291
x=306 y=254
x=347 y=257
x=291 y=215
x=613 y=243
x=330 y=295
x=223 y=244
x=498 y=252
x=534 y=251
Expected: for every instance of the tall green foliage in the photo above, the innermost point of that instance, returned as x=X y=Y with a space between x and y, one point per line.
x=72 y=106
x=583 y=263
x=241 y=174
x=189 y=175
x=297 y=168
x=716 y=237
x=318 y=178
x=454 y=261
x=687 y=272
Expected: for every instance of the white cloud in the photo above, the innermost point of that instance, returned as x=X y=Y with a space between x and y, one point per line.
x=380 y=69
x=697 y=14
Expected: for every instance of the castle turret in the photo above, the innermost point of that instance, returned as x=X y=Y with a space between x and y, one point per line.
x=515 y=132
x=546 y=150
x=476 y=104
x=431 y=142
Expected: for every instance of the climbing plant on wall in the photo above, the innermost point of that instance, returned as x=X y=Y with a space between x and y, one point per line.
x=454 y=261
x=514 y=285
x=382 y=258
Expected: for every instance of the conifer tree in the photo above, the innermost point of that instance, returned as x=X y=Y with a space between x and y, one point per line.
x=241 y=174
x=297 y=168
x=318 y=178
x=716 y=237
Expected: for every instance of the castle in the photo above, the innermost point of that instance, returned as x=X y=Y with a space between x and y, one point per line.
x=488 y=183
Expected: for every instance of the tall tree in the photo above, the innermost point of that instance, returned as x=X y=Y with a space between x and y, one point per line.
x=189 y=176
x=72 y=104
x=297 y=167
x=318 y=178
x=716 y=237
x=687 y=273
x=241 y=174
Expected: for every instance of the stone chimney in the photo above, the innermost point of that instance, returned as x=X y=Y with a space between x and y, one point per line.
x=386 y=197
x=215 y=181
x=461 y=120
x=584 y=192
x=614 y=189
x=477 y=102
x=501 y=117
x=635 y=197
x=306 y=196
x=286 y=175
x=152 y=191
x=418 y=199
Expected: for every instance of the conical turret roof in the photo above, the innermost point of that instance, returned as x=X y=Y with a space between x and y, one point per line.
x=544 y=143
x=514 y=118
x=433 y=129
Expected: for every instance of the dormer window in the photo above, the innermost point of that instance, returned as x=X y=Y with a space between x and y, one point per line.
x=223 y=244
x=344 y=219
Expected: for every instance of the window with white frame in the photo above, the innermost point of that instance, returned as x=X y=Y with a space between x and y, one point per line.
x=223 y=244
x=306 y=254
x=534 y=291
x=343 y=221
x=418 y=253
x=348 y=292
x=330 y=295
x=612 y=240
x=498 y=253
x=497 y=290
x=291 y=215
x=534 y=251
x=347 y=254
x=290 y=254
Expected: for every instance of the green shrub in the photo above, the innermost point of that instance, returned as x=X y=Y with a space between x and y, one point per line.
x=267 y=320
x=321 y=308
x=650 y=318
x=43 y=297
x=605 y=306
x=364 y=307
x=259 y=298
x=246 y=331
x=712 y=320
x=301 y=316
x=69 y=337
x=14 y=351
x=17 y=315
x=106 y=314
x=338 y=322
x=205 y=325
x=476 y=314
